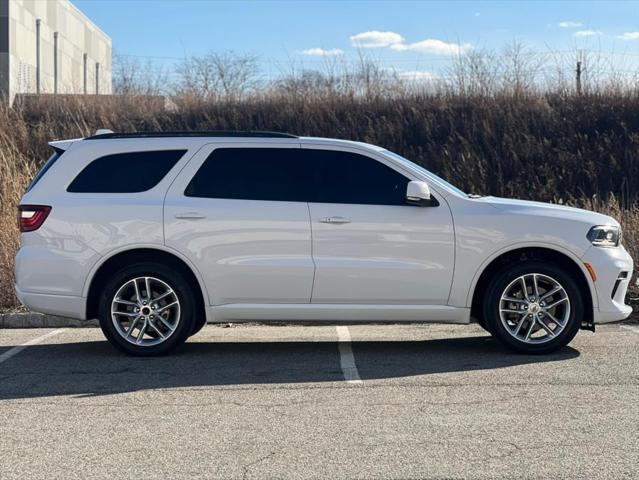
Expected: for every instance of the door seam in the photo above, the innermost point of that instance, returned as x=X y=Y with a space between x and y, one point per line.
x=166 y=193
x=310 y=224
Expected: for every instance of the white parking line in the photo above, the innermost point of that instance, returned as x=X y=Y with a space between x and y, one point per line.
x=346 y=358
x=628 y=327
x=17 y=349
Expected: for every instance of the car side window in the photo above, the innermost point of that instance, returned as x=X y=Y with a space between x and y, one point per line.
x=345 y=177
x=125 y=172
x=252 y=174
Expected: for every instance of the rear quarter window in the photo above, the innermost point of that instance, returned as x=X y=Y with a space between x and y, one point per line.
x=125 y=172
x=47 y=165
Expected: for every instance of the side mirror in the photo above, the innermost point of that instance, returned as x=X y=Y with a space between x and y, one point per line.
x=418 y=193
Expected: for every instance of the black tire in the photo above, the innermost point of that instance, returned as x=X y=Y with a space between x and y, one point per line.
x=182 y=290
x=482 y=323
x=198 y=325
x=503 y=279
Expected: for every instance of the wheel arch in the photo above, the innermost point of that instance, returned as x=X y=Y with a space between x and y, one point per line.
x=524 y=253
x=110 y=263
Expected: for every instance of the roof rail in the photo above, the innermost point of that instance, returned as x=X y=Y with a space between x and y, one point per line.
x=213 y=133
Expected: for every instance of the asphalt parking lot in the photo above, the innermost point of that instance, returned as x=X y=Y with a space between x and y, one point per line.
x=411 y=401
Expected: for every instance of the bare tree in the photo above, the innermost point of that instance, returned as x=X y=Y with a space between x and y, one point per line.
x=306 y=83
x=520 y=69
x=372 y=79
x=134 y=77
x=338 y=77
x=475 y=73
x=218 y=75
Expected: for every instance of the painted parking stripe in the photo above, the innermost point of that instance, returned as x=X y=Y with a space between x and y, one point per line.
x=346 y=358
x=628 y=327
x=17 y=349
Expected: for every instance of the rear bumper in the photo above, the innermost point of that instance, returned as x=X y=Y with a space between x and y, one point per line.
x=62 y=305
x=613 y=267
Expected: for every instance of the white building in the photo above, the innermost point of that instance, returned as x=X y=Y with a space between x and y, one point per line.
x=49 y=46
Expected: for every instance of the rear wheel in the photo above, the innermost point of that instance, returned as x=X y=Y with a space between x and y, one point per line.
x=146 y=309
x=533 y=307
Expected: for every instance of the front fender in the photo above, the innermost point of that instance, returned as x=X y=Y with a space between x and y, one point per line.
x=519 y=245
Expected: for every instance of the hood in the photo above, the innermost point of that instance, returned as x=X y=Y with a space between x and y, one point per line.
x=526 y=207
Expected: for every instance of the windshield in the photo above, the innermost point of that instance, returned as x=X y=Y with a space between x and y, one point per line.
x=421 y=170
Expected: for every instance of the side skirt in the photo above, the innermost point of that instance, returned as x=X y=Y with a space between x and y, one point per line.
x=338 y=313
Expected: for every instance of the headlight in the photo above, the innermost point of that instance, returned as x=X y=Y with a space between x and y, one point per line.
x=605 y=236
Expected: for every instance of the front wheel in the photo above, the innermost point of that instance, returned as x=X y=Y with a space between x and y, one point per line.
x=534 y=307
x=146 y=309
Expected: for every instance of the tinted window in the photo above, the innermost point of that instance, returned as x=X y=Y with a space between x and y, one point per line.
x=125 y=172
x=48 y=164
x=343 y=177
x=297 y=175
x=251 y=173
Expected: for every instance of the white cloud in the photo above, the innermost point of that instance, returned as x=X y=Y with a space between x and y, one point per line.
x=587 y=33
x=376 y=39
x=569 y=24
x=629 y=36
x=321 y=52
x=417 y=76
x=434 y=47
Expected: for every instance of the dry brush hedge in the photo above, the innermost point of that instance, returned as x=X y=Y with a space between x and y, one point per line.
x=550 y=147
x=544 y=147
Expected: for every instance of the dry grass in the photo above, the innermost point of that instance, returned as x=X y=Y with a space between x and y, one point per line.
x=15 y=174
x=579 y=149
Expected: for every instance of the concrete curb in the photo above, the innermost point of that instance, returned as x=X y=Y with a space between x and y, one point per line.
x=40 y=320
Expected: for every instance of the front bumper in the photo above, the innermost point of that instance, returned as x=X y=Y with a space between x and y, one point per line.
x=613 y=267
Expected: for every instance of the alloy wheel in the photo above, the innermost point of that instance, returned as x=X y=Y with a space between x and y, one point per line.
x=145 y=311
x=534 y=308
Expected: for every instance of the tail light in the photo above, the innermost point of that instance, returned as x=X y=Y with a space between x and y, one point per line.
x=31 y=217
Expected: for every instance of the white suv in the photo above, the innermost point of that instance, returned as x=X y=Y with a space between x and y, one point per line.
x=156 y=234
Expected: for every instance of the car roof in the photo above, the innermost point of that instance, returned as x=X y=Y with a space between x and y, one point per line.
x=211 y=133
x=204 y=137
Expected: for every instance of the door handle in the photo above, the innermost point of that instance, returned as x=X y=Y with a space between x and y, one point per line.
x=336 y=220
x=190 y=215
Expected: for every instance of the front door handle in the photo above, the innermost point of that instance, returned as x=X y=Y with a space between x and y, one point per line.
x=190 y=215
x=336 y=220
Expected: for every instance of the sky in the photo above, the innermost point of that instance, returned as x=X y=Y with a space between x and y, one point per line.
x=406 y=36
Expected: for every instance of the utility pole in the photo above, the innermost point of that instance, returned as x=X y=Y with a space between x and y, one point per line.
x=578 y=78
x=97 y=78
x=55 y=62
x=38 y=65
x=85 y=73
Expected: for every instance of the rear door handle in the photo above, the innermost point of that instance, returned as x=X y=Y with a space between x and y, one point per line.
x=190 y=215
x=335 y=220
